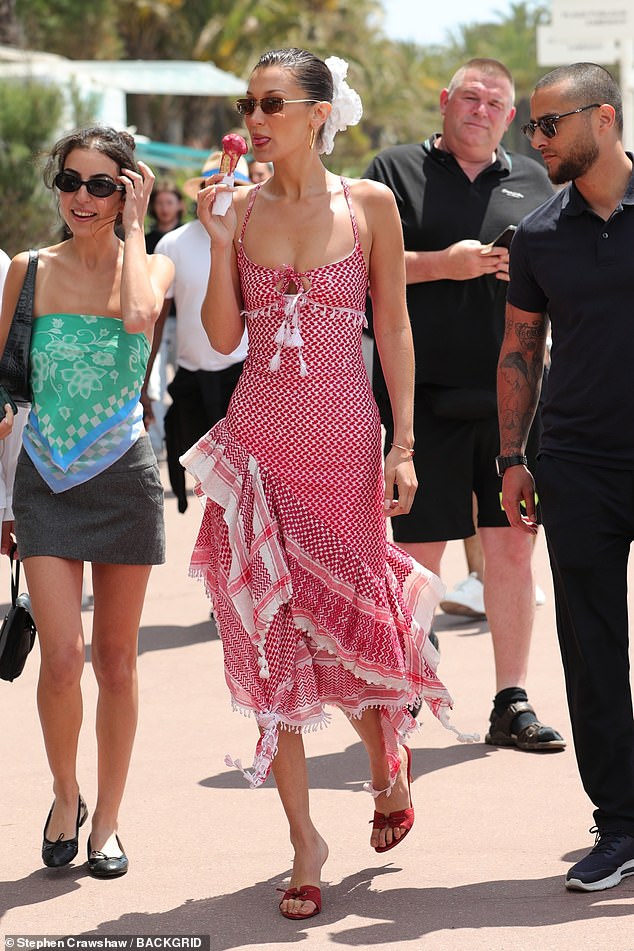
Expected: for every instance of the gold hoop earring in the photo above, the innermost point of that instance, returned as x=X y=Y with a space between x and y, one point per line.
x=311 y=139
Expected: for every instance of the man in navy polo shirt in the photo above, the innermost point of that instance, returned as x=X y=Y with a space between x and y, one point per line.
x=456 y=192
x=572 y=258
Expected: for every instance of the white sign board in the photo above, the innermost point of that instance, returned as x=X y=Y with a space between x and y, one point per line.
x=574 y=18
x=554 y=48
x=593 y=31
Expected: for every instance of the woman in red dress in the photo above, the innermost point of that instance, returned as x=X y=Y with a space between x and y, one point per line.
x=314 y=606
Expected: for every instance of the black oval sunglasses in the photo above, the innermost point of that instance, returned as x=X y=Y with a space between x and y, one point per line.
x=97 y=187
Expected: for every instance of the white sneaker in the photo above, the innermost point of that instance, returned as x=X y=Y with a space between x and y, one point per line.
x=467 y=598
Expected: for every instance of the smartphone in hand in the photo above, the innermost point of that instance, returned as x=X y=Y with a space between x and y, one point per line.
x=504 y=239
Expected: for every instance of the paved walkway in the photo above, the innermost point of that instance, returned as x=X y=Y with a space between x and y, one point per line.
x=482 y=869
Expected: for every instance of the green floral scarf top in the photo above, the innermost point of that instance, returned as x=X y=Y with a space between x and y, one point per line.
x=86 y=376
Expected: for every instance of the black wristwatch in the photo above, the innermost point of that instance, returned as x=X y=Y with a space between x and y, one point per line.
x=502 y=463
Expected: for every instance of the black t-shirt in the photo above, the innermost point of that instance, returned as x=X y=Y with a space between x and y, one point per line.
x=568 y=262
x=457 y=325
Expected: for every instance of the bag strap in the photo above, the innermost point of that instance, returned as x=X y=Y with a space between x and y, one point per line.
x=24 y=306
x=15 y=580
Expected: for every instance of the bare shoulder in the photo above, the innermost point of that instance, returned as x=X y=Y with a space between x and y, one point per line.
x=14 y=281
x=375 y=194
x=374 y=201
x=241 y=195
x=375 y=207
x=241 y=198
x=20 y=263
x=16 y=273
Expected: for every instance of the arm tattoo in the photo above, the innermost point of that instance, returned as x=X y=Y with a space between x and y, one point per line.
x=519 y=378
x=529 y=337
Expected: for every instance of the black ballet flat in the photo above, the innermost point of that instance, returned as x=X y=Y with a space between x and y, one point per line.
x=101 y=865
x=62 y=851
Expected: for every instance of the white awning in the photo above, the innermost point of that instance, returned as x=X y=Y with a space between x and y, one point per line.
x=160 y=77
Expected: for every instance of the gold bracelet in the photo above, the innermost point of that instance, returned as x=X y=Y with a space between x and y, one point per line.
x=404 y=448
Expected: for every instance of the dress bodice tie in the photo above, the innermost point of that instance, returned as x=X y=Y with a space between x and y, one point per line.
x=289 y=335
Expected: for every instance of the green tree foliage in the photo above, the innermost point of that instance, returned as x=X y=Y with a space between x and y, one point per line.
x=399 y=82
x=9 y=32
x=73 y=28
x=29 y=115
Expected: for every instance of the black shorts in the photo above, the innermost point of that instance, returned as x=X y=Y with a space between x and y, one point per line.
x=455 y=458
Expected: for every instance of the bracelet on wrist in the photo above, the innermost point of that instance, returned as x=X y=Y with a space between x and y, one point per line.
x=407 y=449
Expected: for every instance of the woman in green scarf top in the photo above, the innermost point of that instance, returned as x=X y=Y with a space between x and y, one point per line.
x=87 y=486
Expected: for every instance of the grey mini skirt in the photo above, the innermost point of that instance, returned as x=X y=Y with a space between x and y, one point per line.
x=114 y=518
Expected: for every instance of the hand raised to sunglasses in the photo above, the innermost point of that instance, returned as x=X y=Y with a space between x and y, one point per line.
x=138 y=188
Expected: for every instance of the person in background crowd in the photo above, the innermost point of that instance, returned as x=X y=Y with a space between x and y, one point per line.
x=204 y=378
x=456 y=192
x=9 y=449
x=166 y=207
x=259 y=171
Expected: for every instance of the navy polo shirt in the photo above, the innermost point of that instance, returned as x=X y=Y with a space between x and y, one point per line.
x=457 y=325
x=568 y=262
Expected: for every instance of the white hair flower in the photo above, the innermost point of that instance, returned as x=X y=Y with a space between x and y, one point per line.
x=346 y=105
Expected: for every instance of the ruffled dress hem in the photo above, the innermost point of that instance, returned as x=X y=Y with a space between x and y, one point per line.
x=358 y=639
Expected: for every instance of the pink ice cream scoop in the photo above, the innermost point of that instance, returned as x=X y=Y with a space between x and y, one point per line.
x=233 y=147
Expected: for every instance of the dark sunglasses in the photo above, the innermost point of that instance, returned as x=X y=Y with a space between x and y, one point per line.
x=547 y=124
x=97 y=187
x=269 y=104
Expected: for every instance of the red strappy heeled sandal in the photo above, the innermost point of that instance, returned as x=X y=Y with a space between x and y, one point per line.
x=304 y=893
x=403 y=819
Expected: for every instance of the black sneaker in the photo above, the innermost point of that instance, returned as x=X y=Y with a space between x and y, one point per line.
x=611 y=859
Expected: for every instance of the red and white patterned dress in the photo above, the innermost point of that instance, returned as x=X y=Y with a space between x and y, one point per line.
x=314 y=606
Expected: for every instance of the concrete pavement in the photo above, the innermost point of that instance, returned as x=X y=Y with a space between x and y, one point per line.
x=482 y=870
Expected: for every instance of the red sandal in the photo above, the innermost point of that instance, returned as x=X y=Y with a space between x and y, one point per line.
x=305 y=893
x=403 y=819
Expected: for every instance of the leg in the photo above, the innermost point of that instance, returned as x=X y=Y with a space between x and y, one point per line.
x=215 y=391
x=474 y=555
x=427 y=554
x=510 y=607
x=369 y=728
x=509 y=601
x=55 y=589
x=311 y=851
x=119 y=592
x=589 y=529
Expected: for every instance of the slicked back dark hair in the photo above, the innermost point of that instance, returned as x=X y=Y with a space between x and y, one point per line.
x=587 y=82
x=118 y=146
x=311 y=73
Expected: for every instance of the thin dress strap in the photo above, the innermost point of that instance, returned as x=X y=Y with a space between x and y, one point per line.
x=252 y=197
x=346 y=191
